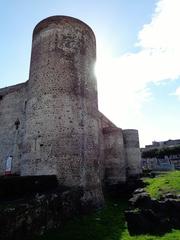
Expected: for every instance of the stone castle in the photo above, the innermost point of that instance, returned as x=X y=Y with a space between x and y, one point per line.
x=51 y=125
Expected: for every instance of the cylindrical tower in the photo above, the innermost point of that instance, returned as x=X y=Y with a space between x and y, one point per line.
x=115 y=166
x=61 y=109
x=133 y=155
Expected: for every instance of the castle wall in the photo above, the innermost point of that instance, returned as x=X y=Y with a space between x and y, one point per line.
x=12 y=119
x=132 y=152
x=61 y=131
x=51 y=125
x=105 y=122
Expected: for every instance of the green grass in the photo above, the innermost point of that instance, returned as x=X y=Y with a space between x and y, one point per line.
x=109 y=223
x=165 y=183
x=105 y=224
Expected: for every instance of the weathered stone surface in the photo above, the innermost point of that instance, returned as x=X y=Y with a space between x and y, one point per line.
x=152 y=216
x=51 y=124
x=22 y=219
x=146 y=221
x=140 y=200
x=114 y=162
x=12 y=108
x=132 y=152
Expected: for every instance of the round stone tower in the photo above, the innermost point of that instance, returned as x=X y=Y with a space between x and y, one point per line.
x=115 y=165
x=132 y=150
x=61 y=108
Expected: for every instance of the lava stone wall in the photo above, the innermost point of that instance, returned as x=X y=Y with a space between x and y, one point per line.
x=132 y=151
x=12 y=118
x=26 y=218
x=61 y=132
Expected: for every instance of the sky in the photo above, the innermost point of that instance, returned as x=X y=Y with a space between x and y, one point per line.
x=138 y=57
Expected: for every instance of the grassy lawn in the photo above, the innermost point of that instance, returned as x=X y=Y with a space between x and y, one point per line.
x=105 y=224
x=169 y=182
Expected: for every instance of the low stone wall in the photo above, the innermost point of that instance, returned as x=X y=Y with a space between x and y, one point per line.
x=123 y=190
x=25 y=218
x=151 y=216
x=13 y=187
x=31 y=205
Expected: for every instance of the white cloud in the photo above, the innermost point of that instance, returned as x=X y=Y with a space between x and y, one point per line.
x=177 y=93
x=163 y=31
x=125 y=79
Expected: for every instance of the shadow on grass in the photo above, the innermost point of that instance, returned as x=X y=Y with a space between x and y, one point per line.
x=108 y=223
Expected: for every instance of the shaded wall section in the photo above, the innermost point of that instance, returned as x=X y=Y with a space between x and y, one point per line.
x=113 y=167
x=132 y=151
x=12 y=119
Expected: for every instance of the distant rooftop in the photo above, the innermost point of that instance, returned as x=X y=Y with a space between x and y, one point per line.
x=167 y=143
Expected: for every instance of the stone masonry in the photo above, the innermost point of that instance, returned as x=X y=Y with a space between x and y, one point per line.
x=51 y=124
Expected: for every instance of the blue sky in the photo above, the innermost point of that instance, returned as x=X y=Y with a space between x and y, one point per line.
x=138 y=56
